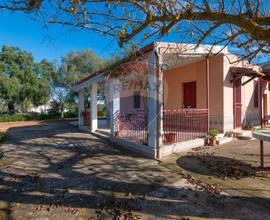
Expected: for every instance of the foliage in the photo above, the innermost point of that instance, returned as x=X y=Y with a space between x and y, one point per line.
x=14 y=117
x=101 y=110
x=242 y=24
x=22 y=81
x=248 y=125
x=74 y=66
x=213 y=133
x=2 y=137
x=36 y=117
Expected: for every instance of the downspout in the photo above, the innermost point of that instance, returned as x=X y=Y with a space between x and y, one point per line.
x=261 y=106
x=207 y=90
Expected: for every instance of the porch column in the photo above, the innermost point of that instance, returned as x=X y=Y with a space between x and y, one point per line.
x=114 y=94
x=153 y=104
x=81 y=107
x=93 y=107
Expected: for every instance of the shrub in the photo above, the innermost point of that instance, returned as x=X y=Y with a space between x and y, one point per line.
x=16 y=117
x=2 y=136
x=37 y=117
x=213 y=133
x=70 y=114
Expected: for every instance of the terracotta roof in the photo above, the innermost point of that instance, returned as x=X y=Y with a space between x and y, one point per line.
x=139 y=52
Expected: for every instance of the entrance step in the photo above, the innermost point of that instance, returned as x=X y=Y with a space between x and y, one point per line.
x=103 y=131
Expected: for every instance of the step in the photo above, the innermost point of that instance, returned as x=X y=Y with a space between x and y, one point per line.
x=107 y=133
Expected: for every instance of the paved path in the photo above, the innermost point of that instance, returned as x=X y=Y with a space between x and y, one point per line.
x=53 y=171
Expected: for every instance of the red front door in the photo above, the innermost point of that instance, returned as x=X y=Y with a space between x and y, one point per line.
x=189 y=89
x=237 y=103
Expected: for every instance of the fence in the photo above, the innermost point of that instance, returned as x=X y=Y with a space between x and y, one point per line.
x=132 y=126
x=184 y=124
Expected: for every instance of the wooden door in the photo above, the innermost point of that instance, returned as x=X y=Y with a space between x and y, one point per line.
x=237 y=103
x=189 y=90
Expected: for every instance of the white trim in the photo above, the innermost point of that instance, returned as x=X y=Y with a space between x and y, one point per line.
x=87 y=83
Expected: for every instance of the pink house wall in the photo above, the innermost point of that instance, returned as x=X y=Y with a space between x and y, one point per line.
x=174 y=78
x=220 y=91
x=250 y=114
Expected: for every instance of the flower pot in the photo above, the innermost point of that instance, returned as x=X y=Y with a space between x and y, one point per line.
x=212 y=141
x=169 y=138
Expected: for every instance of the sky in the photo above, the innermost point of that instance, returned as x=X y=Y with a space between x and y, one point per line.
x=18 y=30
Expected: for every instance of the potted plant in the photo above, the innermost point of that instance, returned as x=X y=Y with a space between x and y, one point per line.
x=212 y=136
x=170 y=138
x=248 y=126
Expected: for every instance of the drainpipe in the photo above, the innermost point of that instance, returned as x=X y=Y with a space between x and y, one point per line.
x=207 y=90
x=260 y=96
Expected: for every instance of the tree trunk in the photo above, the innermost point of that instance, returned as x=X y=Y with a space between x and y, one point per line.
x=11 y=107
x=62 y=110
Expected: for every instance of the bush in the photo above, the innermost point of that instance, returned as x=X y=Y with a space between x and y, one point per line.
x=35 y=117
x=213 y=133
x=48 y=116
x=17 y=117
x=2 y=136
x=70 y=115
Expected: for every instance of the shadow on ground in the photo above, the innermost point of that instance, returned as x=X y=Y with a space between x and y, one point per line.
x=216 y=166
x=52 y=171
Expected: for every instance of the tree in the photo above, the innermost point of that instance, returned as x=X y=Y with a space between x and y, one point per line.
x=22 y=81
x=74 y=66
x=46 y=73
x=243 y=24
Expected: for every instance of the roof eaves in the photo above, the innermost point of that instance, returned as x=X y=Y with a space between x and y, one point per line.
x=139 y=52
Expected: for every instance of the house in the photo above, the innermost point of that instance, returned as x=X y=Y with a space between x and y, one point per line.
x=167 y=96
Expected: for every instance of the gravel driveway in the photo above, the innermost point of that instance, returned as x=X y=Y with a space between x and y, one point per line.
x=53 y=171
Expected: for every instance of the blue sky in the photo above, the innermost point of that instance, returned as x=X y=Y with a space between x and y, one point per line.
x=18 y=30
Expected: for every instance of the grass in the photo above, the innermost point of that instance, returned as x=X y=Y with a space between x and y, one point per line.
x=261 y=129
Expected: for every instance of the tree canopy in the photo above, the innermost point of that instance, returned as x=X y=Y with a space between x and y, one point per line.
x=74 y=66
x=243 y=24
x=23 y=81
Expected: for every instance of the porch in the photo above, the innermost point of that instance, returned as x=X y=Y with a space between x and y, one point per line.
x=147 y=111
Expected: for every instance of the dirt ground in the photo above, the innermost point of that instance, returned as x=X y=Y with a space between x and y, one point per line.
x=232 y=166
x=53 y=171
x=4 y=126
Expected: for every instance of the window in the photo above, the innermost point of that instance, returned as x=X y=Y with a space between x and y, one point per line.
x=256 y=94
x=137 y=100
x=189 y=96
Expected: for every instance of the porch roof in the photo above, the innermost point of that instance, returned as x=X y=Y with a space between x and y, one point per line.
x=239 y=72
x=99 y=75
x=246 y=71
x=266 y=71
